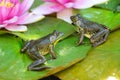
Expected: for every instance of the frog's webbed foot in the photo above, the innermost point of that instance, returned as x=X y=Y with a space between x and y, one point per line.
x=99 y=38
x=83 y=43
x=80 y=43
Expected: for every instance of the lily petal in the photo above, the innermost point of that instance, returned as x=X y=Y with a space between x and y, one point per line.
x=14 y=11
x=12 y=20
x=65 y=15
x=2 y=26
x=63 y=1
x=50 y=0
x=47 y=8
x=26 y=4
x=99 y=1
x=16 y=28
x=4 y=13
x=30 y=18
x=69 y=5
x=81 y=4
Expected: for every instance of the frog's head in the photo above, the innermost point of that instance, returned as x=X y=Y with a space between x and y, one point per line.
x=55 y=36
x=76 y=20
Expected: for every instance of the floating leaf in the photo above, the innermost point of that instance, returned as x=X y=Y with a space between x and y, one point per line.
x=102 y=63
x=14 y=64
x=37 y=3
x=111 y=4
x=106 y=17
x=44 y=27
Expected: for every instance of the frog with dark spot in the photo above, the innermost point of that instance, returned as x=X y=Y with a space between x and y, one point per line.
x=36 y=49
x=97 y=33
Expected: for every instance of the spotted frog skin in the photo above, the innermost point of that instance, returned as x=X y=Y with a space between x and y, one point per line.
x=36 y=49
x=97 y=33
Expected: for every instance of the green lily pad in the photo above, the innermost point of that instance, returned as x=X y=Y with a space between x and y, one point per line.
x=106 y=17
x=44 y=27
x=111 y=4
x=37 y=3
x=14 y=64
x=102 y=63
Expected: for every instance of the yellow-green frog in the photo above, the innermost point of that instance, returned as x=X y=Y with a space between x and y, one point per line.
x=36 y=49
x=97 y=33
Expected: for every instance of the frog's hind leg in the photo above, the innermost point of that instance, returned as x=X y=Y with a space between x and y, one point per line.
x=99 y=38
x=39 y=60
x=26 y=46
x=37 y=65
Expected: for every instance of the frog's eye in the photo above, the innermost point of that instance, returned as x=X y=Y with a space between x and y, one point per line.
x=52 y=38
x=72 y=17
x=54 y=31
x=78 y=15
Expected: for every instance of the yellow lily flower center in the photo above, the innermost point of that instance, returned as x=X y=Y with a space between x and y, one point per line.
x=6 y=4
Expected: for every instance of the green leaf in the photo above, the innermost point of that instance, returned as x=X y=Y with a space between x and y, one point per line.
x=37 y=3
x=44 y=27
x=106 y=17
x=111 y=4
x=14 y=64
x=101 y=63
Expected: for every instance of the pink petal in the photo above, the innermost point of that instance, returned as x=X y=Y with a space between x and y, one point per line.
x=64 y=1
x=50 y=0
x=65 y=15
x=2 y=25
x=12 y=20
x=99 y=1
x=69 y=5
x=4 y=13
x=81 y=4
x=0 y=15
x=16 y=28
x=26 y=4
x=30 y=18
x=13 y=1
x=47 y=8
x=14 y=11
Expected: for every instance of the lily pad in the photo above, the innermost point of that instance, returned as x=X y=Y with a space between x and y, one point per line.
x=37 y=3
x=14 y=64
x=106 y=17
x=111 y=4
x=102 y=63
x=44 y=27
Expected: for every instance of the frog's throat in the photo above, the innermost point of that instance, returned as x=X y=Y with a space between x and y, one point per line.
x=56 y=41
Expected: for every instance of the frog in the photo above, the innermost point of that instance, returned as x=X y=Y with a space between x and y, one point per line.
x=37 y=49
x=97 y=33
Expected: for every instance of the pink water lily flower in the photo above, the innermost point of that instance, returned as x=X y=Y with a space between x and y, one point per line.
x=14 y=14
x=64 y=7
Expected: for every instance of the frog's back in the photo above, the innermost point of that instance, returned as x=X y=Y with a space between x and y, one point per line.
x=43 y=42
x=92 y=26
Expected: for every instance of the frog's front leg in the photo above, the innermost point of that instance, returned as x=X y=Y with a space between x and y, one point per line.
x=81 y=37
x=52 y=52
x=39 y=60
x=99 y=38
